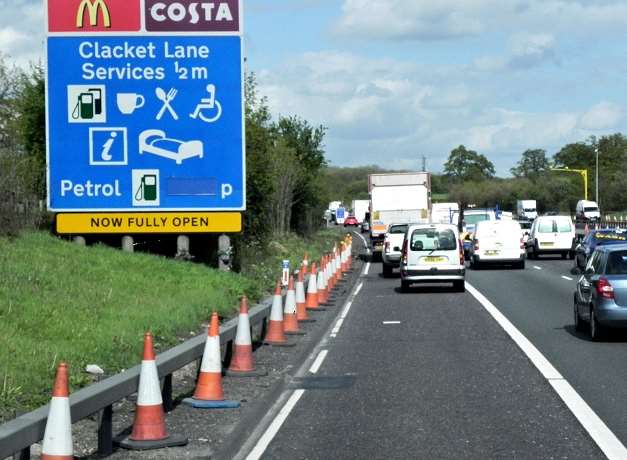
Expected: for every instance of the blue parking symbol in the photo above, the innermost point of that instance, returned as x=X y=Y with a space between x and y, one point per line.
x=108 y=147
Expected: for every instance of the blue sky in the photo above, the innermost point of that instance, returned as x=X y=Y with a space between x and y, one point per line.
x=394 y=80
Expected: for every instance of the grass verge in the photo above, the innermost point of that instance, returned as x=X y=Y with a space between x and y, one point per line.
x=62 y=302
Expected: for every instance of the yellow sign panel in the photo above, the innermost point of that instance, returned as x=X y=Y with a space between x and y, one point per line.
x=140 y=222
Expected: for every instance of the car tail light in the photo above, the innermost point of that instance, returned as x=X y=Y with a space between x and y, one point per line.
x=462 y=260
x=522 y=243
x=605 y=289
x=404 y=252
x=387 y=247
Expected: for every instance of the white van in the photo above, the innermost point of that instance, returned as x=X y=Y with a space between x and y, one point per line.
x=432 y=253
x=587 y=210
x=551 y=235
x=497 y=241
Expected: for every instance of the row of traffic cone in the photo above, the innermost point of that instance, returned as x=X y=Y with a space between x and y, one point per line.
x=149 y=429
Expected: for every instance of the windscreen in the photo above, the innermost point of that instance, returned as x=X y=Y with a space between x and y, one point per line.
x=430 y=239
x=545 y=226
x=396 y=229
x=472 y=219
x=617 y=263
x=591 y=209
x=530 y=210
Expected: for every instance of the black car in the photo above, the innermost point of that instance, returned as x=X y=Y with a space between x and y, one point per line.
x=593 y=239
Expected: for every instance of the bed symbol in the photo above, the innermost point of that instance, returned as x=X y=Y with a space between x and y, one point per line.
x=155 y=142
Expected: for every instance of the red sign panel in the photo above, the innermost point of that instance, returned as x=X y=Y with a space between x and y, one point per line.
x=94 y=15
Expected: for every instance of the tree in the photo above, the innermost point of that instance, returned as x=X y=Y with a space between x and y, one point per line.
x=532 y=165
x=286 y=172
x=468 y=165
x=575 y=156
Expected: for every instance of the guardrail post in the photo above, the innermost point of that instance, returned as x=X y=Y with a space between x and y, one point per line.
x=23 y=454
x=128 y=244
x=105 y=431
x=166 y=393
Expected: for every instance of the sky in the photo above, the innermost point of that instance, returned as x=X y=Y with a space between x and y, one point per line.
x=398 y=79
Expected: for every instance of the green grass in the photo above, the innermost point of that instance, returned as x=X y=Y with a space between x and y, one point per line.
x=91 y=305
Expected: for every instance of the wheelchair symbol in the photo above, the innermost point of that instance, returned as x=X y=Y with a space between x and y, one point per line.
x=208 y=104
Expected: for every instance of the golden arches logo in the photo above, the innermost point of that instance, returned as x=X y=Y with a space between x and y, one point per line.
x=92 y=7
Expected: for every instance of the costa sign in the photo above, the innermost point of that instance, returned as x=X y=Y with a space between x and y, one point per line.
x=94 y=16
x=192 y=15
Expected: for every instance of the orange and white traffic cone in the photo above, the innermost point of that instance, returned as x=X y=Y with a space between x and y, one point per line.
x=57 y=442
x=301 y=300
x=322 y=297
x=242 y=362
x=209 y=393
x=290 y=320
x=338 y=265
x=149 y=430
x=312 y=290
x=305 y=263
x=276 y=330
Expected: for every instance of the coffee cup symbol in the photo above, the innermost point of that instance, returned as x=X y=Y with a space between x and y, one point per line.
x=129 y=102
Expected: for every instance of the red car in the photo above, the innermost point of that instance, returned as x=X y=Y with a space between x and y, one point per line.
x=351 y=220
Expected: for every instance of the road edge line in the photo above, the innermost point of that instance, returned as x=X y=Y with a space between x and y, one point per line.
x=604 y=438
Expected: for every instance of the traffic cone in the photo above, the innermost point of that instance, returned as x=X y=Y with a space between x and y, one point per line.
x=301 y=309
x=305 y=263
x=312 y=290
x=242 y=362
x=57 y=442
x=338 y=266
x=322 y=297
x=149 y=430
x=290 y=321
x=276 y=331
x=209 y=393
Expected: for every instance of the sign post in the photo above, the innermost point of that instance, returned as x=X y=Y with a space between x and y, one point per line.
x=145 y=113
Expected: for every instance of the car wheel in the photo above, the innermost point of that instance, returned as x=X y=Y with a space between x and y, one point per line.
x=459 y=286
x=579 y=325
x=596 y=330
x=386 y=270
x=404 y=286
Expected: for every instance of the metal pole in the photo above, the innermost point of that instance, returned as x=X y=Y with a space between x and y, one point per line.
x=596 y=180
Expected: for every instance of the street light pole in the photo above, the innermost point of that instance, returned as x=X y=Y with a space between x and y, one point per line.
x=596 y=180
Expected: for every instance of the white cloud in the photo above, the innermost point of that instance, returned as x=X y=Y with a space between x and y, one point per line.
x=603 y=116
x=449 y=19
x=22 y=30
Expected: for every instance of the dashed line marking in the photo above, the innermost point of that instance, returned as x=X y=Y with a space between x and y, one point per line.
x=366 y=269
x=391 y=322
x=537 y=268
x=318 y=362
x=567 y=278
x=591 y=422
x=338 y=326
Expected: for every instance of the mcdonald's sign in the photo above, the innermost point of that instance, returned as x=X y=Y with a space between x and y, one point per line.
x=86 y=16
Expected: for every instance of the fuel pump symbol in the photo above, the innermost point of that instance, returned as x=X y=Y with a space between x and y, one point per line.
x=145 y=187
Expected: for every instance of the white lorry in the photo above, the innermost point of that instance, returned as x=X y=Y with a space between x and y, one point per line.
x=526 y=209
x=442 y=213
x=587 y=211
x=397 y=198
x=360 y=208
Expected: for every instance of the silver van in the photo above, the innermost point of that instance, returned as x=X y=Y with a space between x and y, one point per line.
x=432 y=253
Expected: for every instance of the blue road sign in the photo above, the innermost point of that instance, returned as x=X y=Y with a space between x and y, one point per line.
x=145 y=123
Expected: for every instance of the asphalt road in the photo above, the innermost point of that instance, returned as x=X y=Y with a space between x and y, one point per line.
x=443 y=380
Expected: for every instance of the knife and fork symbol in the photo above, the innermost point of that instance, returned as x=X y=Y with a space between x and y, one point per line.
x=166 y=99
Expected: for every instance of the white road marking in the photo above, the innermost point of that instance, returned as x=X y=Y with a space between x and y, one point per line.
x=391 y=322
x=567 y=278
x=596 y=428
x=537 y=268
x=275 y=426
x=364 y=240
x=318 y=362
x=338 y=326
x=366 y=269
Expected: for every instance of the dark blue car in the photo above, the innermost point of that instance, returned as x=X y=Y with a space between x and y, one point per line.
x=596 y=238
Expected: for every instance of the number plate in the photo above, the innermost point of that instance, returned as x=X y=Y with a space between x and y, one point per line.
x=434 y=260
x=547 y=244
x=492 y=253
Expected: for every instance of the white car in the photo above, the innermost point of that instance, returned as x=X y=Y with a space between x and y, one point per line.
x=433 y=253
x=497 y=241
x=551 y=235
x=392 y=243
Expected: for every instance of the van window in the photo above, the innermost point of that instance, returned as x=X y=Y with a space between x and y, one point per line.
x=617 y=263
x=591 y=209
x=430 y=239
x=396 y=229
x=473 y=219
x=564 y=226
x=546 y=226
